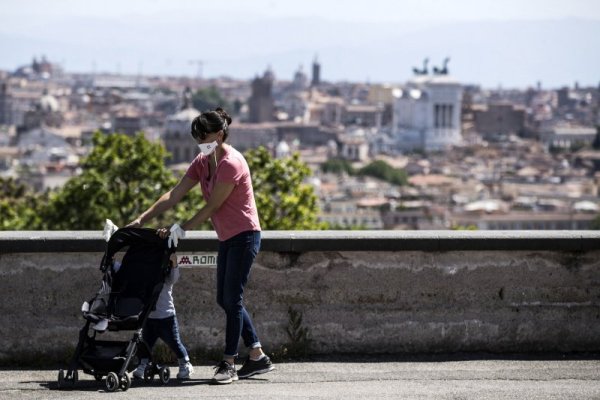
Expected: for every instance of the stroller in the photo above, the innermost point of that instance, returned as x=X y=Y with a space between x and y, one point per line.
x=129 y=293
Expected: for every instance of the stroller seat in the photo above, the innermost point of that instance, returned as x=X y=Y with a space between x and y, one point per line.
x=126 y=314
x=128 y=308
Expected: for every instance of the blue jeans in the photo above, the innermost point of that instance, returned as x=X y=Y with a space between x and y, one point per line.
x=168 y=330
x=234 y=261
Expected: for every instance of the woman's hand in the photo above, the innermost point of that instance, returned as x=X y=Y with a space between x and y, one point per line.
x=174 y=233
x=163 y=232
x=136 y=223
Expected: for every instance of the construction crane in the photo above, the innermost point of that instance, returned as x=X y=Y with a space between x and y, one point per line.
x=199 y=65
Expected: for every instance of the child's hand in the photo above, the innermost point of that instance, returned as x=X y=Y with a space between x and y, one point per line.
x=173 y=260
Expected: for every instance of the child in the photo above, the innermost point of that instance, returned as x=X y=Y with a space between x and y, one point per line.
x=162 y=323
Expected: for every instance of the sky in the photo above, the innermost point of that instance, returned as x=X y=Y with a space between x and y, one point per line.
x=348 y=10
x=492 y=43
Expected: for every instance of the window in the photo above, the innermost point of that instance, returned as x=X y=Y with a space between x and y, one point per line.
x=444 y=116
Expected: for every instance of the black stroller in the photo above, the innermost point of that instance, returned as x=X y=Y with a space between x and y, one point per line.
x=127 y=295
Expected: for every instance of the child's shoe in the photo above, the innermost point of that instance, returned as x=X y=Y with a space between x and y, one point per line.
x=185 y=370
x=138 y=373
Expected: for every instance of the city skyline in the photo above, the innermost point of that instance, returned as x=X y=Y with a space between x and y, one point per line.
x=511 y=45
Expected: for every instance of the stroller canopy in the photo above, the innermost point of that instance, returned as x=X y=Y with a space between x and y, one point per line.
x=143 y=269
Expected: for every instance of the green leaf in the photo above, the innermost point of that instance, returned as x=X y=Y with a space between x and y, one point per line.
x=283 y=199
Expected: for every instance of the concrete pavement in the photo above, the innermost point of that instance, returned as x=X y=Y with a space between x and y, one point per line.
x=373 y=378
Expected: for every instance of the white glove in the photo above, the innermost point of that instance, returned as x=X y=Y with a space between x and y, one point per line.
x=176 y=233
x=101 y=325
x=109 y=229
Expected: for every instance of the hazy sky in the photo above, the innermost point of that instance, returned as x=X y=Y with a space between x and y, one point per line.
x=490 y=42
x=347 y=10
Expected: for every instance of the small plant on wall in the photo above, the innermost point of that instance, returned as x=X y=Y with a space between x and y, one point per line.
x=298 y=335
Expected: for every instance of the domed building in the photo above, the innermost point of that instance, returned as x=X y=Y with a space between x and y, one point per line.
x=294 y=99
x=176 y=137
x=282 y=150
x=44 y=112
x=300 y=81
x=48 y=103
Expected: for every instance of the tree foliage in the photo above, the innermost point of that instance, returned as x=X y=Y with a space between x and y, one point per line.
x=283 y=200
x=377 y=169
x=337 y=166
x=595 y=224
x=382 y=170
x=19 y=206
x=122 y=176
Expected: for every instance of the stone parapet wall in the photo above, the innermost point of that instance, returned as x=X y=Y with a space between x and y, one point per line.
x=357 y=292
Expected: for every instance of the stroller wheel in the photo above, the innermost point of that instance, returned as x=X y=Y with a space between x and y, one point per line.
x=164 y=374
x=74 y=377
x=112 y=382
x=125 y=382
x=148 y=374
x=61 y=379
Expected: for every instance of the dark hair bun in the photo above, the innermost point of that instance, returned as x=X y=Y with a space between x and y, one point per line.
x=224 y=115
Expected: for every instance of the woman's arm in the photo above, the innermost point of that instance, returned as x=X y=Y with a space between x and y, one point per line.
x=219 y=194
x=166 y=201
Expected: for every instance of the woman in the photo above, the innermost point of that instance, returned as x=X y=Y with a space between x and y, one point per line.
x=226 y=185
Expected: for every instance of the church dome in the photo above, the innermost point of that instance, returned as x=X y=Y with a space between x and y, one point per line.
x=269 y=74
x=282 y=150
x=187 y=112
x=48 y=103
x=181 y=122
x=185 y=115
x=300 y=79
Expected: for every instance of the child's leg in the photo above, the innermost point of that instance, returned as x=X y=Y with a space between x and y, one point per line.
x=150 y=333
x=169 y=333
x=149 y=336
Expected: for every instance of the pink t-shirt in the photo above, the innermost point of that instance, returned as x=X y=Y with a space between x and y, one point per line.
x=238 y=212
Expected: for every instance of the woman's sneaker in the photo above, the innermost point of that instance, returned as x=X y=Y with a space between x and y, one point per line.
x=252 y=367
x=225 y=373
x=185 y=370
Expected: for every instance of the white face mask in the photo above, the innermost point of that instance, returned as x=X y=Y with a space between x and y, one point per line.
x=207 y=148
